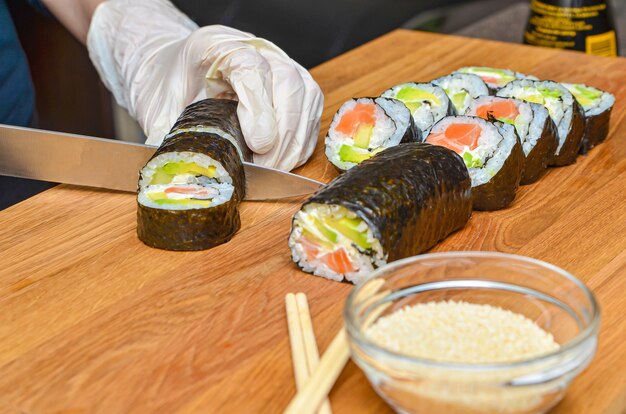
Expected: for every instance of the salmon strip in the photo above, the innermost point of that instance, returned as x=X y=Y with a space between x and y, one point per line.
x=457 y=136
x=490 y=79
x=361 y=114
x=499 y=109
x=189 y=190
x=311 y=249
x=339 y=261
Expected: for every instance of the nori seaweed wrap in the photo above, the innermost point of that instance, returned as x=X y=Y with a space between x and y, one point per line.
x=492 y=153
x=363 y=127
x=598 y=106
x=534 y=127
x=189 y=193
x=217 y=116
x=564 y=110
x=397 y=204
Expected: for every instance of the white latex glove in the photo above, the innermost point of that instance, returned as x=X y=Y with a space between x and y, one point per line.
x=156 y=61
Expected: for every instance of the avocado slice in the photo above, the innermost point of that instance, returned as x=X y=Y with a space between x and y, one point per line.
x=184 y=202
x=177 y=168
x=160 y=177
x=471 y=161
x=352 y=154
x=585 y=96
x=506 y=120
x=348 y=227
x=327 y=232
x=363 y=136
x=315 y=239
x=458 y=99
x=537 y=98
x=165 y=173
x=549 y=93
x=410 y=95
x=413 y=106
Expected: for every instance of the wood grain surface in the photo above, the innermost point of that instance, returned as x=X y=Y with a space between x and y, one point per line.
x=93 y=321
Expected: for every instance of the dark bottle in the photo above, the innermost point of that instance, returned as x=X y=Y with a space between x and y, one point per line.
x=585 y=25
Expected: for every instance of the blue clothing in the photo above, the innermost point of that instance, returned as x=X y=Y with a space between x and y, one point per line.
x=17 y=98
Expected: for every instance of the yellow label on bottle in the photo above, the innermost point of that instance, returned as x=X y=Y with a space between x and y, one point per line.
x=601 y=45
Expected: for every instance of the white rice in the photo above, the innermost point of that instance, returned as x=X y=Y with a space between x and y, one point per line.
x=400 y=115
x=494 y=145
x=221 y=185
x=384 y=134
x=535 y=130
x=561 y=109
x=602 y=104
x=472 y=85
x=426 y=115
x=364 y=262
x=529 y=124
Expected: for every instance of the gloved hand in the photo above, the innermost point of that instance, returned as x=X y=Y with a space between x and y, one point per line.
x=156 y=61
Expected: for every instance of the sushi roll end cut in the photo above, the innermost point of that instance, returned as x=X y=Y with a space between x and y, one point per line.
x=533 y=125
x=428 y=103
x=395 y=205
x=363 y=127
x=492 y=154
x=495 y=78
x=597 y=106
x=564 y=110
x=190 y=190
x=189 y=193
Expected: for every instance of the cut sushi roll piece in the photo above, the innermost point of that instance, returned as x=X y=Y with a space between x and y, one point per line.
x=462 y=88
x=533 y=125
x=564 y=110
x=395 y=205
x=428 y=103
x=492 y=153
x=597 y=106
x=363 y=127
x=189 y=193
x=215 y=116
x=495 y=79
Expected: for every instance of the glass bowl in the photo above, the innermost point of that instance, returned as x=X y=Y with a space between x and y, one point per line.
x=551 y=297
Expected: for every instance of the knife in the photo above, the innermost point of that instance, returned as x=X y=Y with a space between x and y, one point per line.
x=104 y=163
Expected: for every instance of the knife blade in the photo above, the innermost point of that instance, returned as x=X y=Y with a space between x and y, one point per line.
x=105 y=163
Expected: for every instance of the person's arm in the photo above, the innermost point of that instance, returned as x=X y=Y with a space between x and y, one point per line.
x=75 y=15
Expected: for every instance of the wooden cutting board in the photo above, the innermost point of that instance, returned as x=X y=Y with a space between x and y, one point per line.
x=91 y=320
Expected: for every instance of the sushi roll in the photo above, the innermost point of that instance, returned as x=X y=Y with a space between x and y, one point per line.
x=597 y=106
x=397 y=204
x=363 y=127
x=428 y=103
x=462 y=88
x=189 y=193
x=566 y=113
x=533 y=125
x=216 y=116
x=495 y=79
x=492 y=153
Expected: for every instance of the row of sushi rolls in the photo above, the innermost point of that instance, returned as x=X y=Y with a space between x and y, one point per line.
x=414 y=161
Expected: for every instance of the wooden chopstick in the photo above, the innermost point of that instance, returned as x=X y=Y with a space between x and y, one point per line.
x=296 y=339
x=323 y=378
x=332 y=362
x=310 y=344
x=305 y=354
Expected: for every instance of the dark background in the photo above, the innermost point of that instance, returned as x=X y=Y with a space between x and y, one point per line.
x=71 y=98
